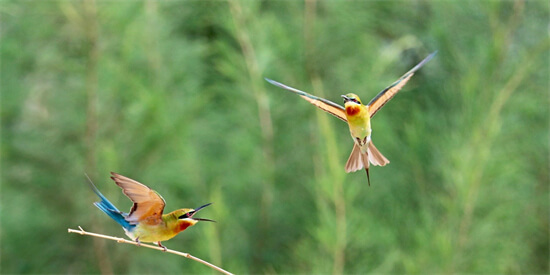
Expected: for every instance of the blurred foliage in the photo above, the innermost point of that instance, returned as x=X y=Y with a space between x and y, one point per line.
x=171 y=93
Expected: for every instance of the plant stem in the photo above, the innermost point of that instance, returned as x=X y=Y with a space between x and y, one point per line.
x=122 y=240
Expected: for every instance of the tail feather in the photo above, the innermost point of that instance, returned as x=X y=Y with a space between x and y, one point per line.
x=357 y=160
x=375 y=157
x=108 y=208
x=365 y=159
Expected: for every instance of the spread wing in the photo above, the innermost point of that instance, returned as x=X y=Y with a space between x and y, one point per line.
x=385 y=95
x=325 y=105
x=148 y=204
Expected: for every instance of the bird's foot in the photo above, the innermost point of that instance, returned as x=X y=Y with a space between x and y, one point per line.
x=138 y=243
x=163 y=247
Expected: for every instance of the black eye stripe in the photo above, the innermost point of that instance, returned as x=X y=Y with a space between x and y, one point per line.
x=186 y=215
x=353 y=99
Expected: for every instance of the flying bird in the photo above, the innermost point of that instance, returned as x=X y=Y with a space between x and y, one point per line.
x=358 y=118
x=145 y=222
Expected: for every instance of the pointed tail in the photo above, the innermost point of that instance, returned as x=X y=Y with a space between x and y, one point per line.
x=108 y=208
x=365 y=158
x=358 y=160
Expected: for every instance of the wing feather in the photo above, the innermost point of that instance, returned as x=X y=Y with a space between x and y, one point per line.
x=148 y=204
x=385 y=95
x=323 y=104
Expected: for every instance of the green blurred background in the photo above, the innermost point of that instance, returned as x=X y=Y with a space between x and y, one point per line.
x=171 y=93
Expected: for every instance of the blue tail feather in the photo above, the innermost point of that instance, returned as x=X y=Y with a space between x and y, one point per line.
x=108 y=208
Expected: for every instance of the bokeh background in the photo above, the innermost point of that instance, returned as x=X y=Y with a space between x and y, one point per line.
x=171 y=93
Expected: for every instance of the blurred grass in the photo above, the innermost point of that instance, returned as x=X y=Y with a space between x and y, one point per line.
x=172 y=94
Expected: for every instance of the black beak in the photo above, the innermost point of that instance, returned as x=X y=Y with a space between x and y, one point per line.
x=204 y=220
x=201 y=207
x=197 y=210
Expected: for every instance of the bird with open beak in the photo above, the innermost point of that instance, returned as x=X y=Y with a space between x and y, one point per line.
x=146 y=221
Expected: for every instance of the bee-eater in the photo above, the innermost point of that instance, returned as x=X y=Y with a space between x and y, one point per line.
x=358 y=118
x=145 y=222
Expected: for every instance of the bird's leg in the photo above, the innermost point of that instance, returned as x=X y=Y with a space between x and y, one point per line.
x=164 y=247
x=138 y=242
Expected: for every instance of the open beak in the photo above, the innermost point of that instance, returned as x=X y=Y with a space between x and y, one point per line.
x=346 y=99
x=192 y=213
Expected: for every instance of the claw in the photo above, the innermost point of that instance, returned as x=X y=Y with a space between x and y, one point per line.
x=138 y=242
x=164 y=247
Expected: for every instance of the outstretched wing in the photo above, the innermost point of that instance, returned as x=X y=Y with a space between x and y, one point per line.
x=385 y=95
x=148 y=204
x=325 y=105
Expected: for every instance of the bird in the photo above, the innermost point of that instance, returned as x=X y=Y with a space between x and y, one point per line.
x=145 y=222
x=358 y=118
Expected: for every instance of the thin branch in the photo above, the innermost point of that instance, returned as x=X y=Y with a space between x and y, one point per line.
x=122 y=240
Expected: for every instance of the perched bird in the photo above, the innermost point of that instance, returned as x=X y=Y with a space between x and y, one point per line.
x=145 y=222
x=358 y=118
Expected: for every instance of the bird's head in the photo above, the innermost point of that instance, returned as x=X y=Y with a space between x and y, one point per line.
x=351 y=98
x=187 y=215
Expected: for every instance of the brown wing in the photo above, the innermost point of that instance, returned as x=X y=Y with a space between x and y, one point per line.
x=323 y=104
x=148 y=204
x=385 y=95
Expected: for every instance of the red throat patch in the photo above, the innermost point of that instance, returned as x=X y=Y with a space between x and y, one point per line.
x=352 y=110
x=183 y=225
